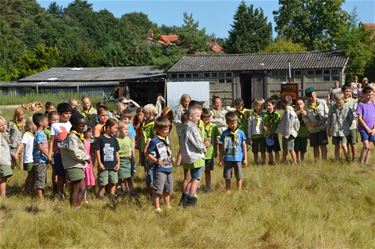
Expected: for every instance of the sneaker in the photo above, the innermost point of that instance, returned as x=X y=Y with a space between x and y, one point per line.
x=192 y=201
x=158 y=210
x=185 y=200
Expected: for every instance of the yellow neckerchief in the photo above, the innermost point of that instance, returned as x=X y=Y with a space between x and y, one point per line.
x=234 y=135
x=167 y=144
x=242 y=114
x=86 y=113
x=208 y=130
x=314 y=106
x=147 y=124
x=81 y=136
x=20 y=125
x=256 y=117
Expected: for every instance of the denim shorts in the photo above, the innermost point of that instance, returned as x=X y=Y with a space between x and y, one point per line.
x=366 y=137
x=196 y=173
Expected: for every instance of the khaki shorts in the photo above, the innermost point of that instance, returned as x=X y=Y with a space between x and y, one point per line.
x=5 y=171
x=74 y=174
x=108 y=176
x=40 y=175
x=163 y=183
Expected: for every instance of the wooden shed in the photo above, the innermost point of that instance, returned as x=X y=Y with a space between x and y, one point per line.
x=260 y=74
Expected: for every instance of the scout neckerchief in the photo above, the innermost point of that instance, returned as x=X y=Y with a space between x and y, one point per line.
x=271 y=120
x=19 y=125
x=81 y=136
x=234 y=135
x=242 y=114
x=167 y=144
x=146 y=124
x=208 y=129
x=86 y=113
x=256 y=118
x=314 y=106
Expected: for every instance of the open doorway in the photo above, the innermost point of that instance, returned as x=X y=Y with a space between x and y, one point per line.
x=245 y=80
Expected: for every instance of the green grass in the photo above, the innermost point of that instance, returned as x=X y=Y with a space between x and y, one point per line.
x=32 y=97
x=310 y=206
x=314 y=205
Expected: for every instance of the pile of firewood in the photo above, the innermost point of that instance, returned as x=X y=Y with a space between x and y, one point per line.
x=36 y=106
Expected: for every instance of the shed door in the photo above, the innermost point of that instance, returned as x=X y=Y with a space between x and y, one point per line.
x=257 y=86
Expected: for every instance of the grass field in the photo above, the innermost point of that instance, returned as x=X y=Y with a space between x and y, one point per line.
x=314 y=205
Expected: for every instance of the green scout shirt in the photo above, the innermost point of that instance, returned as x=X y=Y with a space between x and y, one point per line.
x=243 y=119
x=125 y=145
x=271 y=121
x=210 y=133
x=303 y=129
x=147 y=132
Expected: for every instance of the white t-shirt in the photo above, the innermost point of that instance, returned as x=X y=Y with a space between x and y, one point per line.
x=28 y=141
x=60 y=131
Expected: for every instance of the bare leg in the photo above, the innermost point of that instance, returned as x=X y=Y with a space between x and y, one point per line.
x=100 y=190
x=263 y=155
x=256 y=159
x=285 y=153
x=346 y=151
x=277 y=156
x=337 y=152
x=270 y=158
x=353 y=148
x=239 y=184
x=323 y=149
x=365 y=149
x=316 y=153
x=167 y=199
x=156 y=198
x=3 y=186
x=294 y=156
x=193 y=186
x=187 y=179
x=227 y=185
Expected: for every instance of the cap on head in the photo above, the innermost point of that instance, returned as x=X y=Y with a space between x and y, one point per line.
x=309 y=91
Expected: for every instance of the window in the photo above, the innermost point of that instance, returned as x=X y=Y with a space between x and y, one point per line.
x=310 y=72
x=221 y=75
x=335 y=72
x=195 y=75
x=221 y=80
x=188 y=76
x=229 y=80
x=318 y=72
x=326 y=78
x=335 y=77
x=206 y=75
x=213 y=75
x=326 y=72
x=174 y=76
x=228 y=75
x=181 y=75
x=297 y=73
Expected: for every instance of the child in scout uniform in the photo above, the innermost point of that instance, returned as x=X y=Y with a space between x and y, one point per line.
x=316 y=121
x=271 y=121
x=242 y=114
x=340 y=118
x=352 y=104
x=288 y=127
x=209 y=139
x=255 y=132
x=5 y=162
x=75 y=159
x=233 y=151
x=300 y=143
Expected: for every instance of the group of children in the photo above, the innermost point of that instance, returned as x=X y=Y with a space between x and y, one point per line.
x=73 y=141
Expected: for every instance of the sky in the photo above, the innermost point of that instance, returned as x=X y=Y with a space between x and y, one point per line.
x=216 y=16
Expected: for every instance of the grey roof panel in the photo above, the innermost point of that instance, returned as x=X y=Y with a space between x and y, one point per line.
x=63 y=74
x=259 y=62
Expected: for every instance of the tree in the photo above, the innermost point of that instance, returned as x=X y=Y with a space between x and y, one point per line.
x=313 y=23
x=282 y=45
x=192 y=38
x=251 y=32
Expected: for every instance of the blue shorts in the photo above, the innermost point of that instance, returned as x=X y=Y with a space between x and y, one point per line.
x=196 y=173
x=59 y=168
x=367 y=137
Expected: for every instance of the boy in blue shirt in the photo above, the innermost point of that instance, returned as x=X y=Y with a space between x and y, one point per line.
x=159 y=153
x=233 y=151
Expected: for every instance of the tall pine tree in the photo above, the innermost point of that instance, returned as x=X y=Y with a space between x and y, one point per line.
x=250 y=33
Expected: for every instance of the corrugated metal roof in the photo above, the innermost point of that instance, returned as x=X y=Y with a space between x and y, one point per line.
x=59 y=84
x=259 y=62
x=98 y=74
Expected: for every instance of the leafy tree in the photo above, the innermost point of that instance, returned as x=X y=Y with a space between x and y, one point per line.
x=251 y=32
x=192 y=38
x=282 y=45
x=55 y=10
x=313 y=23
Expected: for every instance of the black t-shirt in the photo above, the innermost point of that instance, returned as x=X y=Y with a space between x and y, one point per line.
x=108 y=148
